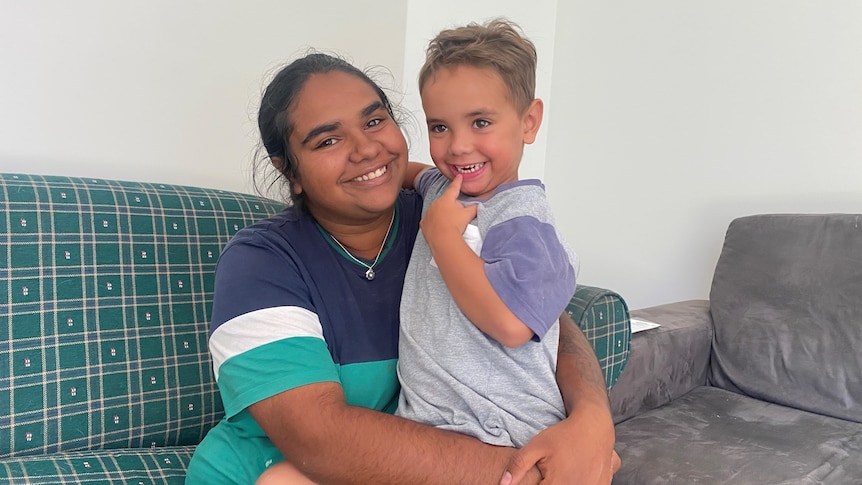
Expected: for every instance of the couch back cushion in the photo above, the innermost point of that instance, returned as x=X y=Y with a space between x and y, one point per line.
x=105 y=296
x=786 y=300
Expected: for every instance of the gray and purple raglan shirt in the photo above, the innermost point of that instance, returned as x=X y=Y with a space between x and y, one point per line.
x=454 y=376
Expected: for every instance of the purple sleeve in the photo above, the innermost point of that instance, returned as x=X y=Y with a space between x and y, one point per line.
x=530 y=270
x=426 y=180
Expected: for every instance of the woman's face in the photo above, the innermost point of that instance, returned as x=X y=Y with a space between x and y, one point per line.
x=351 y=155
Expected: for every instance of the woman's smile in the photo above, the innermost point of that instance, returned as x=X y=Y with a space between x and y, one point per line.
x=371 y=175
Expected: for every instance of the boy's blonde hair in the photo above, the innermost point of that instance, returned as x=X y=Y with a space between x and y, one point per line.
x=498 y=44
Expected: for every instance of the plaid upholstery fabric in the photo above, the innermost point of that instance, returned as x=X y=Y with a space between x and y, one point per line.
x=105 y=296
x=604 y=318
x=159 y=466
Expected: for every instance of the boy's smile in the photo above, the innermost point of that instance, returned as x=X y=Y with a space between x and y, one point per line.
x=475 y=129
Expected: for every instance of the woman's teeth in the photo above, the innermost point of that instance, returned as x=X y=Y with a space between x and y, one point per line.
x=469 y=168
x=371 y=175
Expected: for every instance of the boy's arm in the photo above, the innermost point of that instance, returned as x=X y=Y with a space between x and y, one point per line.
x=414 y=170
x=464 y=271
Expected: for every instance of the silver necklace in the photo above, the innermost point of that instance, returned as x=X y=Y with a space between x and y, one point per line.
x=369 y=274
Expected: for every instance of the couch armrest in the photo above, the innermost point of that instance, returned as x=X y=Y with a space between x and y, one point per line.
x=664 y=362
x=603 y=317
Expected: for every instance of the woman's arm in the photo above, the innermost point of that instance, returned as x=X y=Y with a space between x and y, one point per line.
x=414 y=170
x=582 y=445
x=578 y=372
x=332 y=442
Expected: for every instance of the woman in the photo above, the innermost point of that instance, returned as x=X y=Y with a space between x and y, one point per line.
x=305 y=316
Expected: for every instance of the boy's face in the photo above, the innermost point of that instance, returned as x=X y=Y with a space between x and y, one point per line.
x=475 y=129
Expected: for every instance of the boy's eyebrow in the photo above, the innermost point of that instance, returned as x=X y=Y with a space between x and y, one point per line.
x=472 y=114
x=480 y=112
x=327 y=127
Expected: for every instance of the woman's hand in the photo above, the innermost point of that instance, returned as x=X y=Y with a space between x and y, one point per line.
x=579 y=450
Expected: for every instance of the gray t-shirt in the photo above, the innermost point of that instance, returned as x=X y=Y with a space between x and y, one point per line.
x=453 y=376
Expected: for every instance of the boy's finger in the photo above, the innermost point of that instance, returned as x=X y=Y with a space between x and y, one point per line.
x=454 y=187
x=471 y=210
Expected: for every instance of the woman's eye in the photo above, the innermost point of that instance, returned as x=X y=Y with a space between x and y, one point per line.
x=438 y=129
x=326 y=143
x=375 y=122
x=481 y=123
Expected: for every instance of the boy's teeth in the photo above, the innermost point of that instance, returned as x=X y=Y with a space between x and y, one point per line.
x=371 y=175
x=470 y=168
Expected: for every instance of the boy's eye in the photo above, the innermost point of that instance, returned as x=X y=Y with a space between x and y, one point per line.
x=438 y=128
x=481 y=123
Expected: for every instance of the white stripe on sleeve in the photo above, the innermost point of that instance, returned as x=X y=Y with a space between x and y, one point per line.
x=260 y=327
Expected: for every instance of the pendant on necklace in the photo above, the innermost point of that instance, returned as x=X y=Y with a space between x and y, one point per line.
x=369 y=275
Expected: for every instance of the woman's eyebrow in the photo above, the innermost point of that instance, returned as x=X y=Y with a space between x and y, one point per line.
x=327 y=127
x=371 y=108
x=317 y=130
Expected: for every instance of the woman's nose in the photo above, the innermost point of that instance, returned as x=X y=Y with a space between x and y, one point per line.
x=365 y=147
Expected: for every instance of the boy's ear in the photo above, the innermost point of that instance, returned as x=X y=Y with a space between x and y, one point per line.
x=532 y=120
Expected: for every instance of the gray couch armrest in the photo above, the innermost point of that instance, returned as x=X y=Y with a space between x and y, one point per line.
x=665 y=362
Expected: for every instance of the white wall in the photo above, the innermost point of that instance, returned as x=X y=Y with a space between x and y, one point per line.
x=672 y=117
x=664 y=119
x=425 y=19
x=162 y=90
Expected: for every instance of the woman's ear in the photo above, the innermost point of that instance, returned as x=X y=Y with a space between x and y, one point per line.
x=532 y=120
x=292 y=178
x=278 y=163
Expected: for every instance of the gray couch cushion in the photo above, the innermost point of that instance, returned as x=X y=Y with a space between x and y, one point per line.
x=786 y=301
x=665 y=362
x=713 y=436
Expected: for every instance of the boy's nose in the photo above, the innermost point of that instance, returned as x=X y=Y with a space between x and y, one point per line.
x=461 y=143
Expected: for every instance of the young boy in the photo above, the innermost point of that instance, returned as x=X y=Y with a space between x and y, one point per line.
x=489 y=274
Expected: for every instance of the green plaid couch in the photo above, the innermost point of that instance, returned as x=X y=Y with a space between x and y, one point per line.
x=105 y=294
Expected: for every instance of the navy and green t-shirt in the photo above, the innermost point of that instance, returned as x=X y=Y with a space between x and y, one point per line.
x=290 y=308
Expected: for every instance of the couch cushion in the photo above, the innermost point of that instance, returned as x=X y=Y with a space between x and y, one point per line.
x=665 y=362
x=786 y=302
x=105 y=295
x=156 y=466
x=714 y=436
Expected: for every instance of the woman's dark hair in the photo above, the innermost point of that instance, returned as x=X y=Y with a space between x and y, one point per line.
x=273 y=118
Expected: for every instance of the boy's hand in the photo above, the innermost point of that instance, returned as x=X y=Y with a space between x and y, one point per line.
x=447 y=216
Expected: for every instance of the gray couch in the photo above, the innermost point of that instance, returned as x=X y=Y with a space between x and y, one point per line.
x=762 y=384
